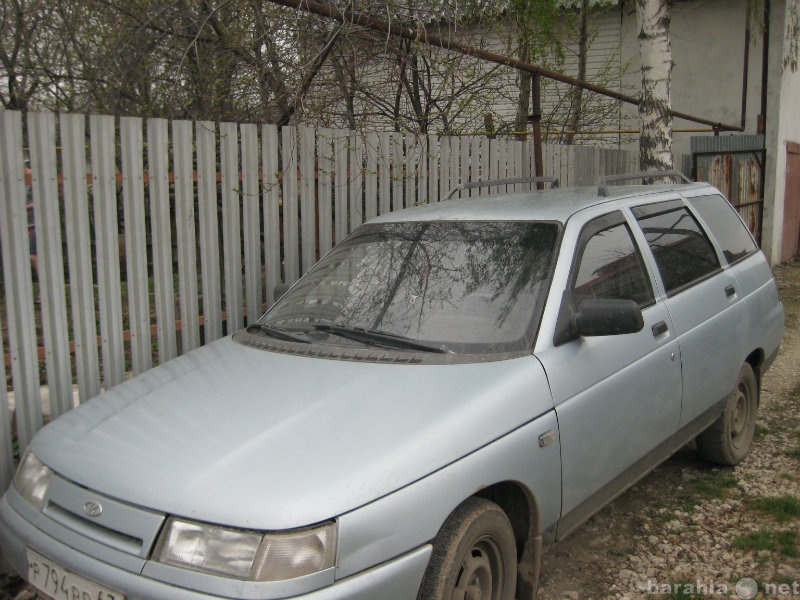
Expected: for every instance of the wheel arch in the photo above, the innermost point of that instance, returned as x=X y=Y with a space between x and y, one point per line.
x=756 y=360
x=521 y=508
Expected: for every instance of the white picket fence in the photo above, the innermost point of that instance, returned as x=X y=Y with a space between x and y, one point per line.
x=155 y=236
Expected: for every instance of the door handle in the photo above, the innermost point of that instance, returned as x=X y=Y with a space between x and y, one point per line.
x=659 y=328
x=730 y=290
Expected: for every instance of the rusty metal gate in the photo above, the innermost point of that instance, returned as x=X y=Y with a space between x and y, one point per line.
x=735 y=165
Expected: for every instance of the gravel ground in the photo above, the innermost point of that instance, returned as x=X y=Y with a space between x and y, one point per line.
x=690 y=531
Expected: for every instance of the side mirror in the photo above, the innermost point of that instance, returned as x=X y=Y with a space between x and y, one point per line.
x=596 y=318
x=608 y=317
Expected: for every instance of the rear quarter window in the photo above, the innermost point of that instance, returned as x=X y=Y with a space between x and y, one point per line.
x=725 y=225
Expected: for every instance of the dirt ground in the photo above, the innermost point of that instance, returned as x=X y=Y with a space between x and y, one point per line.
x=689 y=527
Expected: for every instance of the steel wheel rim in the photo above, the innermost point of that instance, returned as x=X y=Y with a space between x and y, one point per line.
x=480 y=574
x=740 y=418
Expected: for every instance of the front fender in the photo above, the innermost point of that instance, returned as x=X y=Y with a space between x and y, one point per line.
x=413 y=515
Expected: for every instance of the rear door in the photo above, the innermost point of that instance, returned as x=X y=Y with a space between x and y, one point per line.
x=617 y=397
x=701 y=298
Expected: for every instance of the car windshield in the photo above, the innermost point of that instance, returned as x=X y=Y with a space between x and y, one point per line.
x=452 y=286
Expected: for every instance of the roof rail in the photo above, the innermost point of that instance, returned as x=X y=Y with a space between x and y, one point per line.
x=495 y=182
x=602 y=186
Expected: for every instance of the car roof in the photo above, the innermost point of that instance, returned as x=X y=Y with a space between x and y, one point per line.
x=541 y=205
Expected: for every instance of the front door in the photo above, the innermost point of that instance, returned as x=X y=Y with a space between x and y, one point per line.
x=618 y=398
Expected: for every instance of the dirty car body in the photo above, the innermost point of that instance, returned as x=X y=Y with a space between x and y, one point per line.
x=452 y=388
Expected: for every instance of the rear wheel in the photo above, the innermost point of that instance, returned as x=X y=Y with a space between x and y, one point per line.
x=727 y=441
x=474 y=556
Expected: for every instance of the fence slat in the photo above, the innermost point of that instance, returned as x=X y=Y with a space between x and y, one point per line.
x=413 y=153
x=17 y=277
x=231 y=224
x=186 y=241
x=464 y=163
x=475 y=163
x=79 y=254
x=308 y=217
x=6 y=439
x=444 y=167
x=251 y=221
x=271 y=210
x=161 y=234
x=398 y=171
x=423 y=177
x=356 y=183
x=325 y=207
x=384 y=172
x=371 y=176
x=205 y=138
x=107 y=239
x=46 y=210
x=341 y=186
x=434 y=182
x=135 y=242
x=291 y=241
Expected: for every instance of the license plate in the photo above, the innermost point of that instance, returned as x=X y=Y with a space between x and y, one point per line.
x=54 y=581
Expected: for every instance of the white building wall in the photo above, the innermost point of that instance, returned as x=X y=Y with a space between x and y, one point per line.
x=707 y=79
x=783 y=125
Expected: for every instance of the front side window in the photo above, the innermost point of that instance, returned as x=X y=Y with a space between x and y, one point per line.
x=728 y=229
x=682 y=250
x=464 y=287
x=610 y=266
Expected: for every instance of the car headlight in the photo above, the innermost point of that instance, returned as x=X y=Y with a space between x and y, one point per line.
x=247 y=555
x=31 y=480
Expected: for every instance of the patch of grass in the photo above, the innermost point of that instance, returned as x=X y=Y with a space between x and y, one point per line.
x=787 y=543
x=760 y=431
x=714 y=485
x=794 y=452
x=782 y=508
x=783 y=542
x=761 y=540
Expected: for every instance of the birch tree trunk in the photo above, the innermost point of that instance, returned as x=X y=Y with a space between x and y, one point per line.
x=655 y=141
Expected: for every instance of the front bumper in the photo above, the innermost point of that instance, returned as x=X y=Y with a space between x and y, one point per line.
x=397 y=579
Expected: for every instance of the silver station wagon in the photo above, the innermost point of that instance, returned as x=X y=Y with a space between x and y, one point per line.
x=450 y=390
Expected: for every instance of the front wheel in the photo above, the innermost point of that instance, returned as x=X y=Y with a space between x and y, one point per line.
x=727 y=441
x=474 y=556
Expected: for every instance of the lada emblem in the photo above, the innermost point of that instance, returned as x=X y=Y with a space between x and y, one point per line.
x=93 y=509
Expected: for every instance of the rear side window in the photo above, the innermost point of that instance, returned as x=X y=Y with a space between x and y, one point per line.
x=610 y=266
x=725 y=225
x=683 y=252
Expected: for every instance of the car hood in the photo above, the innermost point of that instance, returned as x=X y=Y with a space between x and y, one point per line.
x=251 y=438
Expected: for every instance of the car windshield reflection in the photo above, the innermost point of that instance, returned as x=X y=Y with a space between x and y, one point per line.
x=452 y=286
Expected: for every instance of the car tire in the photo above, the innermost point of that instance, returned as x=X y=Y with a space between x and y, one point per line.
x=727 y=441
x=474 y=555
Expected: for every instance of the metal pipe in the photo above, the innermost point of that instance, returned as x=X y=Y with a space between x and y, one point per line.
x=746 y=67
x=420 y=35
x=762 y=118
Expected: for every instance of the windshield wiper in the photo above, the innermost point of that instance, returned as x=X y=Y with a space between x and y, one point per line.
x=277 y=333
x=379 y=338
